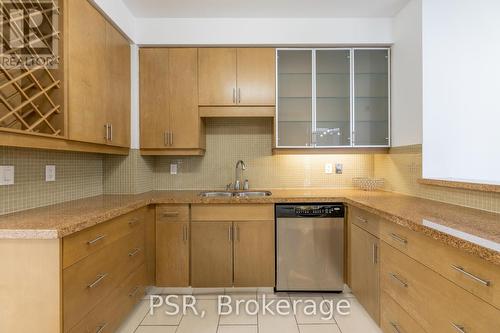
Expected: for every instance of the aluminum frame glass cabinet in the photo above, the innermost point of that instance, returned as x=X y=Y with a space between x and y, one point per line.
x=332 y=97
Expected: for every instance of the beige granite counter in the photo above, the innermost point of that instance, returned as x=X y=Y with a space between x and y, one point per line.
x=474 y=231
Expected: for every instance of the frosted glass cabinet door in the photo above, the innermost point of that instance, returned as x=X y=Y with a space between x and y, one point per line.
x=371 y=97
x=294 y=98
x=333 y=98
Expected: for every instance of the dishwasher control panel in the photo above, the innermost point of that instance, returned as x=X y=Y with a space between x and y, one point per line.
x=310 y=210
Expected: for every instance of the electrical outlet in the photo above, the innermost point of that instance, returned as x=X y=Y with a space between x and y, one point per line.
x=173 y=169
x=339 y=168
x=50 y=173
x=328 y=168
x=7 y=175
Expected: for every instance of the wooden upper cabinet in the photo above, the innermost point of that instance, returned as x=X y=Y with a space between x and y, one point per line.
x=243 y=76
x=217 y=76
x=86 y=43
x=170 y=122
x=154 y=97
x=118 y=89
x=256 y=72
x=98 y=80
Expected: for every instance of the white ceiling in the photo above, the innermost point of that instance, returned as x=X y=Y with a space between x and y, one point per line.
x=264 y=8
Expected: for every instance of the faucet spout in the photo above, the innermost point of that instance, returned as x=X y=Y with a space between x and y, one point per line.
x=238 y=174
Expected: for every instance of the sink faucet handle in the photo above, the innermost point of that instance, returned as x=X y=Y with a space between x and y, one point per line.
x=246 y=185
x=237 y=185
x=229 y=186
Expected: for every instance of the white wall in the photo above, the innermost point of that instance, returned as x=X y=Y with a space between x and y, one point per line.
x=120 y=15
x=406 y=92
x=227 y=31
x=461 y=90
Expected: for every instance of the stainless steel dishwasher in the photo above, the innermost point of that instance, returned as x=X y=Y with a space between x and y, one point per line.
x=310 y=247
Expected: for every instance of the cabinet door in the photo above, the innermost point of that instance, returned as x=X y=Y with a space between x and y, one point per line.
x=172 y=254
x=118 y=87
x=371 y=97
x=256 y=75
x=154 y=97
x=333 y=98
x=365 y=270
x=294 y=98
x=211 y=254
x=183 y=85
x=86 y=42
x=217 y=76
x=254 y=254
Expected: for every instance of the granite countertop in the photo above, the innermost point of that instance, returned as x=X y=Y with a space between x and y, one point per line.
x=473 y=231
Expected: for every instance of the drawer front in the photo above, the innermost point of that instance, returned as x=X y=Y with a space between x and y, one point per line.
x=172 y=213
x=232 y=212
x=93 y=278
x=110 y=312
x=364 y=220
x=393 y=319
x=436 y=303
x=88 y=241
x=469 y=272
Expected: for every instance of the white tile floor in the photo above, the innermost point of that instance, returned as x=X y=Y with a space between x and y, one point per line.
x=141 y=321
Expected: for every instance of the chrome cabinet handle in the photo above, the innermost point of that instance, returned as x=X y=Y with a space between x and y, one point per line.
x=234 y=95
x=134 y=221
x=396 y=278
x=165 y=135
x=101 y=328
x=395 y=327
x=171 y=138
x=459 y=328
x=170 y=214
x=236 y=233
x=460 y=269
x=229 y=233
x=110 y=132
x=398 y=238
x=133 y=292
x=361 y=219
x=134 y=252
x=239 y=95
x=375 y=253
x=95 y=240
x=106 y=135
x=185 y=234
x=97 y=281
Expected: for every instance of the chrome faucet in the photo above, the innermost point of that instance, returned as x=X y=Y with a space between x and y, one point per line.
x=238 y=175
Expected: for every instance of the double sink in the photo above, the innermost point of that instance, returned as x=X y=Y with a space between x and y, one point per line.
x=225 y=194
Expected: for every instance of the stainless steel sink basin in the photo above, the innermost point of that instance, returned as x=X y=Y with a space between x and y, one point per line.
x=253 y=194
x=215 y=194
x=225 y=194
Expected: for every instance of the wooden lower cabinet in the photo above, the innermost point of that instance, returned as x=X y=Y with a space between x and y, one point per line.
x=254 y=254
x=365 y=270
x=394 y=319
x=211 y=254
x=172 y=254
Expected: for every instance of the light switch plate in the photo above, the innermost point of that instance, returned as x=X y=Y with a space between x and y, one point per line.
x=339 y=168
x=7 y=175
x=50 y=173
x=328 y=168
x=173 y=169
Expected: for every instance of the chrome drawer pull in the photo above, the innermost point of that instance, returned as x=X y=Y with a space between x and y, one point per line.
x=395 y=327
x=459 y=328
x=398 y=238
x=96 y=240
x=170 y=214
x=133 y=221
x=375 y=253
x=471 y=276
x=101 y=328
x=361 y=219
x=133 y=292
x=96 y=282
x=133 y=253
x=398 y=279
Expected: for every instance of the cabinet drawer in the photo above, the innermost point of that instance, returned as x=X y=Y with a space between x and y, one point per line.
x=436 y=303
x=110 y=312
x=469 y=272
x=81 y=244
x=394 y=319
x=93 y=278
x=172 y=213
x=364 y=220
x=232 y=212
